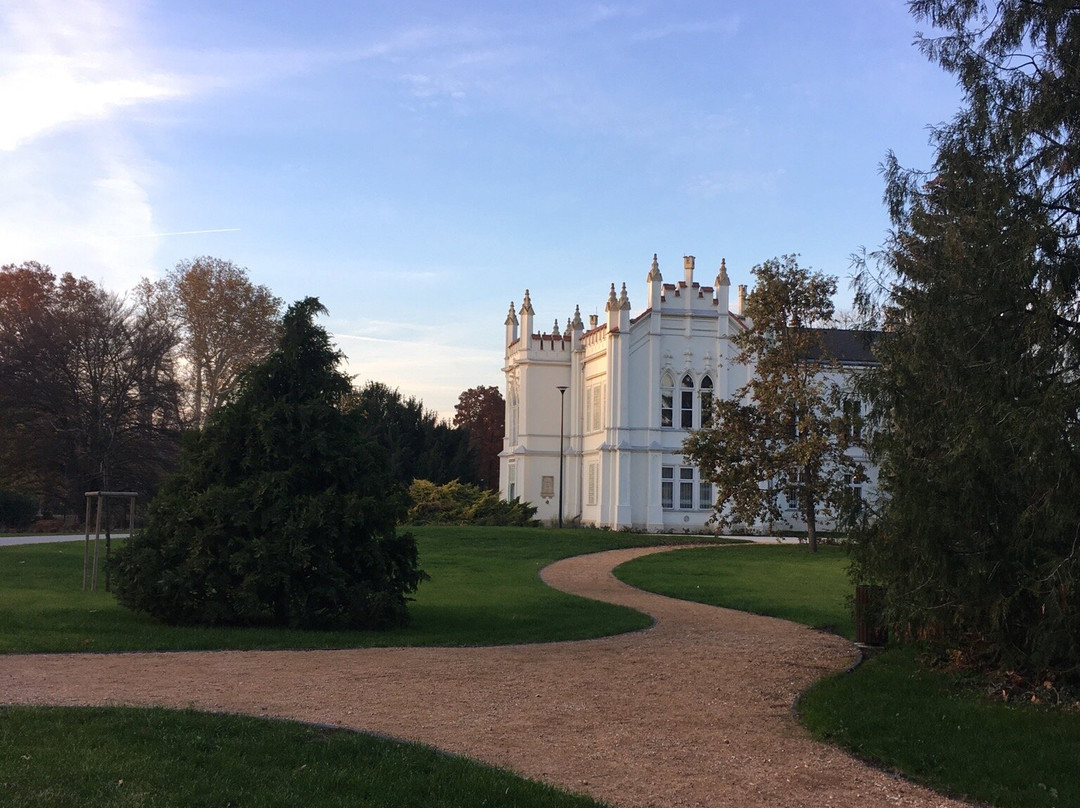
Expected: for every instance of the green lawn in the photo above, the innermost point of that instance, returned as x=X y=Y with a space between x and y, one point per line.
x=892 y=709
x=777 y=580
x=484 y=590
x=62 y=757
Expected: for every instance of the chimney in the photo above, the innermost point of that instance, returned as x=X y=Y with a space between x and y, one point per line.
x=688 y=268
x=741 y=301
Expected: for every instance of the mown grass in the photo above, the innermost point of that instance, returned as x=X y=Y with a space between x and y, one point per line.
x=62 y=757
x=926 y=724
x=777 y=580
x=893 y=709
x=484 y=590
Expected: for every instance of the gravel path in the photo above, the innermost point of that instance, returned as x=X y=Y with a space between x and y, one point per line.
x=695 y=711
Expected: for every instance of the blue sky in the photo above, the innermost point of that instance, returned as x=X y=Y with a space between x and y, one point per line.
x=417 y=165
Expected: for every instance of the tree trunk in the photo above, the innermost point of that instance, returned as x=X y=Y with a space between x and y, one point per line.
x=811 y=523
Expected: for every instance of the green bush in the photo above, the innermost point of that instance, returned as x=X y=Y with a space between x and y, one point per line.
x=17 y=510
x=458 y=503
x=281 y=513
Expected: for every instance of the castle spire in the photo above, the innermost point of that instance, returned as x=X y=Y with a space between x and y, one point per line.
x=721 y=275
x=526 y=304
x=577 y=318
x=654 y=271
x=612 y=301
x=624 y=300
x=511 y=318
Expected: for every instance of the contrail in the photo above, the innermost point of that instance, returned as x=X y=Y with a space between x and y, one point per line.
x=191 y=232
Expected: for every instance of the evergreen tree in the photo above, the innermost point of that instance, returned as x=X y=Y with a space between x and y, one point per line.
x=282 y=512
x=976 y=544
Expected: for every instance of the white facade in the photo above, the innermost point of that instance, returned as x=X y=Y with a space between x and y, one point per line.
x=634 y=387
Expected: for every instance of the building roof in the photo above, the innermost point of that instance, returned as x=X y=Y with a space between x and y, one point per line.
x=846 y=346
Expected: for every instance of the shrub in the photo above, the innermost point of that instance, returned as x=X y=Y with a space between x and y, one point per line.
x=457 y=503
x=17 y=510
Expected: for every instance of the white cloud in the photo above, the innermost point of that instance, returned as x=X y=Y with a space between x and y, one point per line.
x=78 y=213
x=64 y=62
x=737 y=181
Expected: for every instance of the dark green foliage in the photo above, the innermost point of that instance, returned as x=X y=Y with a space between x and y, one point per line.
x=416 y=444
x=16 y=510
x=462 y=504
x=979 y=388
x=281 y=512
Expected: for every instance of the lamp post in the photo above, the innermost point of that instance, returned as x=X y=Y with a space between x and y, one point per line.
x=562 y=421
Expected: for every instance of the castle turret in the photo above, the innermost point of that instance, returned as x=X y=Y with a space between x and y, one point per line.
x=612 y=309
x=624 y=310
x=656 y=284
x=511 y=325
x=688 y=269
x=722 y=288
x=526 y=313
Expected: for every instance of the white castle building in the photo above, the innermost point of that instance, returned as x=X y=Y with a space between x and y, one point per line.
x=623 y=394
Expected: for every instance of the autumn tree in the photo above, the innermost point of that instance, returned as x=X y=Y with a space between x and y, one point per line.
x=782 y=432
x=979 y=387
x=481 y=411
x=281 y=512
x=87 y=388
x=226 y=322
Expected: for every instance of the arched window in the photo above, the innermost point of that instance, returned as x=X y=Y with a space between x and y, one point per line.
x=686 y=403
x=667 y=398
x=706 y=402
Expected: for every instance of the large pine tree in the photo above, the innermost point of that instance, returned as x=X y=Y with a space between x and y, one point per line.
x=978 y=536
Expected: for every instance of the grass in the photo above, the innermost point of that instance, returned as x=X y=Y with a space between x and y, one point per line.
x=484 y=590
x=925 y=724
x=60 y=757
x=892 y=709
x=780 y=581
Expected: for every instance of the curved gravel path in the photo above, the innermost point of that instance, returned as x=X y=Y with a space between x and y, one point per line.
x=695 y=711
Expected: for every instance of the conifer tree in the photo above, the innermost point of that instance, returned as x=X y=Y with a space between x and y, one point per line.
x=978 y=391
x=282 y=512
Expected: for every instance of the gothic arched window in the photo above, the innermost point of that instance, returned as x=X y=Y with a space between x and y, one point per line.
x=706 y=401
x=667 y=398
x=686 y=403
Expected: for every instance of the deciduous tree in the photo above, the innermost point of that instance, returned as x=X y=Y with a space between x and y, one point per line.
x=481 y=411
x=781 y=432
x=87 y=389
x=226 y=322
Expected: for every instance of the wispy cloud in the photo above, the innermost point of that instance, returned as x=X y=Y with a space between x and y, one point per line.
x=189 y=232
x=725 y=27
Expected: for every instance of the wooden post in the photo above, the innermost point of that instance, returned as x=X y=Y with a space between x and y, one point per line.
x=97 y=537
x=86 y=544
